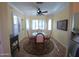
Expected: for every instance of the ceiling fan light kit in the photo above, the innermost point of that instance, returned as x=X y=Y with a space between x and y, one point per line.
x=39 y=12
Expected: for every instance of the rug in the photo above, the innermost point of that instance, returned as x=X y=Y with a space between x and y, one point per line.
x=38 y=49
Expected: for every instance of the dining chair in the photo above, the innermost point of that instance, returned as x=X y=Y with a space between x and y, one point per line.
x=40 y=41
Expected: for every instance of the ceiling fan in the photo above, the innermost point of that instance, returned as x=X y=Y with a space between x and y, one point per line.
x=39 y=12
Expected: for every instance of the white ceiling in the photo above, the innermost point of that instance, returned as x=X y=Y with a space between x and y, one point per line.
x=30 y=8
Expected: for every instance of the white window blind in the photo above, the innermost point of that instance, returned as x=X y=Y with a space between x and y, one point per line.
x=49 y=24
x=34 y=24
x=41 y=24
x=27 y=24
x=38 y=24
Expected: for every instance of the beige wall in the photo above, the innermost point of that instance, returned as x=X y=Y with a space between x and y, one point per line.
x=21 y=19
x=22 y=34
x=60 y=35
x=1 y=44
x=5 y=28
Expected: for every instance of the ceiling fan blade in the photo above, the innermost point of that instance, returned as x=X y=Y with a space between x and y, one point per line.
x=45 y=12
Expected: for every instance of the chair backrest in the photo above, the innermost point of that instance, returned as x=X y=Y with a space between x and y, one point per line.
x=40 y=38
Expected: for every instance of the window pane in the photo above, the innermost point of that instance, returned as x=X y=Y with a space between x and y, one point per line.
x=41 y=24
x=36 y=24
x=49 y=24
x=15 y=21
x=27 y=24
x=15 y=25
x=33 y=24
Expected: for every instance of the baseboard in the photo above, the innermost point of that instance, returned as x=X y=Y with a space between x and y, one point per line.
x=5 y=55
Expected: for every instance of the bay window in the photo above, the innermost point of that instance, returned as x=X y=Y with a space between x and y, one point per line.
x=38 y=25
